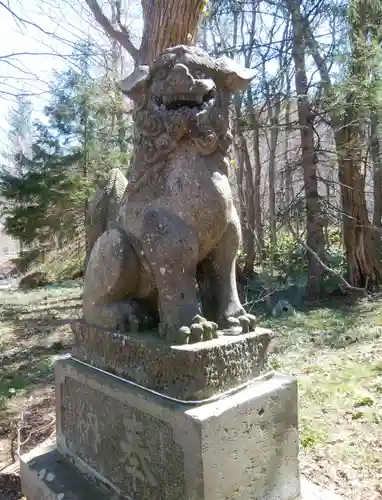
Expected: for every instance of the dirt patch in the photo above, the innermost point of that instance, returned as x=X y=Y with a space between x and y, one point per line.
x=27 y=426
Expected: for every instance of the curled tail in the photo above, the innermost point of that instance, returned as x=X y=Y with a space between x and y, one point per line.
x=103 y=208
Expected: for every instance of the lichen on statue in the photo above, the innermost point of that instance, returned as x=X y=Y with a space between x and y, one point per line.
x=179 y=107
x=176 y=225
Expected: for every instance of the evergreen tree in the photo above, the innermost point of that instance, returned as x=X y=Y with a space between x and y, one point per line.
x=75 y=144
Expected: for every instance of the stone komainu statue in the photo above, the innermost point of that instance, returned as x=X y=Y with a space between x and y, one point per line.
x=103 y=208
x=174 y=223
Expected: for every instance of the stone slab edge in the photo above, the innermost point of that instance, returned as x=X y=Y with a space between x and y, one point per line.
x=189 y=372
x=45 y=475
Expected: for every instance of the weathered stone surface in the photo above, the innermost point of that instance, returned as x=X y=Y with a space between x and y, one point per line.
x=45 y=475
x=188 y=372
x=103 y=208
x=76 y=487
x=175 y=224
x=142 y=446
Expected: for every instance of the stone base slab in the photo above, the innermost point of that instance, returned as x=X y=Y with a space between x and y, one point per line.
x=143 y=447
x=187 y=372
x=46 y=475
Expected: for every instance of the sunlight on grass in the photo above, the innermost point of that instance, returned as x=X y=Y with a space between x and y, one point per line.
x=17 y=384
x=22 y=332
x=336 y=353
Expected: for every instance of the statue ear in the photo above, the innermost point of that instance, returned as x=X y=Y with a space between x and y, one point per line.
x=134 y=83
x=235 y=77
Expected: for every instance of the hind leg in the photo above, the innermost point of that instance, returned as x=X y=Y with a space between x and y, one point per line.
x=112 y=275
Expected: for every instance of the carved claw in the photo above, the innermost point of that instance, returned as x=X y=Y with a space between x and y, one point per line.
x=126 y=316
x=242 y=324
x=196 y=333
x=200 y=330
x=184 y=335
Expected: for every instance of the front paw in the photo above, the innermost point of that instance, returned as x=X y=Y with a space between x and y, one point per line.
x=200 y=330
x=242 y=323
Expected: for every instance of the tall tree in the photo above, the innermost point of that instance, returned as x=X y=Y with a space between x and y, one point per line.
x=71 y=149
x=165 y=23
x=19 y=135
x=314 y=220
x=232 y=29
x=348 y=106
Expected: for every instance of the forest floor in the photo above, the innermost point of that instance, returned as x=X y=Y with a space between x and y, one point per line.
x=335 y=350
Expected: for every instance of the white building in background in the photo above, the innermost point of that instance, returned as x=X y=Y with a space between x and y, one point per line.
x=9 y=247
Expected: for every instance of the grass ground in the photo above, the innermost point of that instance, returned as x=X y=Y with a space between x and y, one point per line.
x=335 y=350
x=34 y=329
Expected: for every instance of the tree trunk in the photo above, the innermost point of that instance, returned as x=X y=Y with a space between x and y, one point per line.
x=361 y=253
x=288 y=170
x=165 y=23
x=240 y=185
x=362 y=262
x=116 y=71
x=314 y=222
x=258 y=226
x=248 y=195
x=376 y=155
x=273 y=121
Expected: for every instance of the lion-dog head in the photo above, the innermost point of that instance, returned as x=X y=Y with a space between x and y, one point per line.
x=182 y=101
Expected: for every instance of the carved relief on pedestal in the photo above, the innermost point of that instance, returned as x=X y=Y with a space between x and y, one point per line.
x=88 y=427
x=136 y=457
x=129 y=448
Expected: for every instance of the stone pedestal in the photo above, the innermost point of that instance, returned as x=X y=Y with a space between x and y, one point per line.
x=118 y=440
x=136 y=445
x=188 y=372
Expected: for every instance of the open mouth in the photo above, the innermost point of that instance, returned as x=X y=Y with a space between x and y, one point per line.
x=186 y=101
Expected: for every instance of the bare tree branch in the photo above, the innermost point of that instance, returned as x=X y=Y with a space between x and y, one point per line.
x=17 y=54
x=346 y=284
x=26 y=22
x=123 y=37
